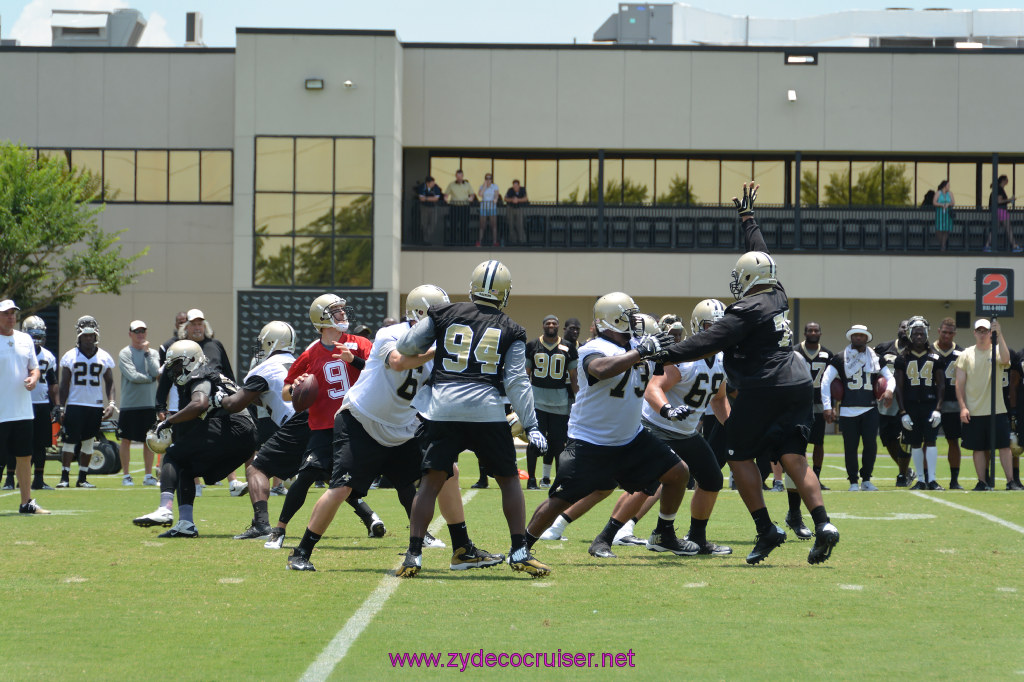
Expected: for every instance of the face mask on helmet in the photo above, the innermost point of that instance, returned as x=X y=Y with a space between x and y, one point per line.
x=183 y=358
x=644 y=324
x=328 y=311
x=752 y=269
x=919 y=324
x=615 y=312
x=275 y=336
x=421 y=298
x=705 y=314
x=36 y=328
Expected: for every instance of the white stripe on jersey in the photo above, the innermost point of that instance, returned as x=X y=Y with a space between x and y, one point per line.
x=598 y=416
x=47 y=361
x=274 y=370
x=86 y=376
x=382 y=398
x=697 y=386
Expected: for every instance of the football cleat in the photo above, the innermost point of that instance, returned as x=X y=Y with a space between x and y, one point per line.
x=778 y=486
x=182 y=529
x=480 y=485
x=84 y=484
x=150 y=479
x=901 y=481
x=630 y=539
x=278 y=490
x=64 y=483
x=854 y=487
x=522 y=560
x=711 y=548
x=934 y=485
x=127 y=481
x=299 y=562
x=668 y=542
x=161 y=517
x=375 y=528
x=869 y=486
x=911 y=475
x=40 y=485
x=238 y=488
x=982 y=487
x=919 y=486
x=823 y=486
x=410 y=566
x=255 y=532
x=1012 y=485
x=472 y=556
x=430 y=542
x=765 y=543
x=796 y=523
x=826 y=537
x=8 y=485
x=531 y=484
x=601 y=550
x=954 y=485
x=31 y=507
x=276 y=540
x=545 y=482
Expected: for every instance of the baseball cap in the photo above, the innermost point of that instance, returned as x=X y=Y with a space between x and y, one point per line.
x=195 y=314
x=7 y=304
x=137 y=326
x=982 y=323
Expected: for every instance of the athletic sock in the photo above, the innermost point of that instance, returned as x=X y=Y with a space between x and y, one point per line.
x=918 y=456
x=81 y=474
x=307 y=543
x=817 y=472
x=931 y=454
x=666 y=523
x=627 y=529
x=762 y=522
x=459 y=534
x=698 y=530
x=416 y=544
x=261 y=515
x=819 y=515
x=794 y=502
x=1016 y=474
x=561 y=522
x=547 y=471
x=185 y=513
x=531 y=462
x=531 y=540
x=609 y=531
x=361 y=509
x=166 y=499
x=954 y=475
x=65 y=473
x=518 y=541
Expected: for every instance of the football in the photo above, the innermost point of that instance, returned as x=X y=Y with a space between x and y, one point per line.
x=304 y=393
x=836 y=389
x=880 y=386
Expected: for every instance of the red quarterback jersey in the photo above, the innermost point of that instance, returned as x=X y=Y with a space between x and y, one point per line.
x=333 y=375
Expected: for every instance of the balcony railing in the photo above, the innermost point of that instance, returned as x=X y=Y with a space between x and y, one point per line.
x=701 y=228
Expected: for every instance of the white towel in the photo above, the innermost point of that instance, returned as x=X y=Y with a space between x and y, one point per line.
x=855 y=361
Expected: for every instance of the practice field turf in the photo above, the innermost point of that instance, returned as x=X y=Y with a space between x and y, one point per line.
x=922 y=585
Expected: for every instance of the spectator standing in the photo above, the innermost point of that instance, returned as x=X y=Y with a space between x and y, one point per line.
x=516 y=200
x=1003 y=213
x=973 y=393
x=140 y=369
x=489 y=195
x=430 y=197
x=948 y=351
x=166 y=399
x=458 y=194
x=944 y=202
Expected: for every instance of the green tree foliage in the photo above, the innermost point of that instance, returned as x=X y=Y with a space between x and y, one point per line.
x=679 y=193
x=51 y=246
x=867 y=191
x=625 y=192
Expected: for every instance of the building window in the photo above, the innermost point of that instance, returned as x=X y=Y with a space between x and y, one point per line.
x=313 y=212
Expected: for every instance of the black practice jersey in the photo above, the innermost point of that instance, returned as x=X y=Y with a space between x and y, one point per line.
x=206 y=380
x=858 y=389
x=550 y=365
x=472 y=341
x=817 y=361
x=921 y=377
x=1015 y=361
x=887 y=352
x=947 y=366
x=754 y=335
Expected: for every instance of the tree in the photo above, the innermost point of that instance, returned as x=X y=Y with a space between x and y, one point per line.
x=625 y=192
x=679 y=193
x=50 y=243
x=867 y=191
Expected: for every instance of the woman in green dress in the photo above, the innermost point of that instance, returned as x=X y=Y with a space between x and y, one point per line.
x=943 y=215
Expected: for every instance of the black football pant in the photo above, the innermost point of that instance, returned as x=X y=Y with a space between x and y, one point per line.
x=863 y=427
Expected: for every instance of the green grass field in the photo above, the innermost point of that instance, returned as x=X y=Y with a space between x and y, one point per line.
x=915 y=588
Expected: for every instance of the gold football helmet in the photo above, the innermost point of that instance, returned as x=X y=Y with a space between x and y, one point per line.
x=158 y=444
x=421 y=298
x=324 y=312
x=275 y=336
x=645 y=324
x=491 y=281
x=753 y=268
x=183 y=358
x=36 y=328
x=707 y=312
x=614 y=312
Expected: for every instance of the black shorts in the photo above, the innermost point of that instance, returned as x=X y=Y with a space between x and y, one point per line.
x=81 y=423
x=265 y=428
x=555 y=428
x=134 y=423
x=704 y=467
x=281 y=455
x=890 y=428
x=214 y=448
x=770 y=421
x=923 y=431
x=319 y=453
x=817 y=436
x=359 y=459
x=951 y=425
x=977 y=431
x=42 y=427
x=491 y=441
x=714 y=433
x=636 y=466
x=15 y=439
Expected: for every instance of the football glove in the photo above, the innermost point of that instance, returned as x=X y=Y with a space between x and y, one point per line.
x=218 y=398
x=745 y=206
x=676 y=413
x=160 y=427
x=936 y=419
x=57 y=414
x=908 y=423
x=653 y=346
x=538 y=440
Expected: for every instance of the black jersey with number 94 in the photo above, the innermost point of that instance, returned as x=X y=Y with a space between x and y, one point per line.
x=472 y=342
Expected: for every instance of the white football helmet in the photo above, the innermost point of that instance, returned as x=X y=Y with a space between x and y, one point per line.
x=615 y=312
x=324 y=308
x=491 y=281
x=275 y=336
x=158 y=444
x=183 y=358
x=709 y=310
x=670 y=322
x=753 y=268
x=87 y=324
x=36 y=328
x=917 y=321
x=645 y=324
x=421 y=298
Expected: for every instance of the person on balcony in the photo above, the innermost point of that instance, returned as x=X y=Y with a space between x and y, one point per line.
x=944 y=202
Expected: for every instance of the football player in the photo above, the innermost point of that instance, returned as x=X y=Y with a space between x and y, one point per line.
x=774 y=410
x=551 y=364
x=858 y=368
x=375 y=433
x=479 y=351
x=44 y=399
x=607 y=445
x=889 y=426
x=948 y=351
x=208 y=442
x=817 y=358
x=86 y=372
x=571 y=333
x=919 y=395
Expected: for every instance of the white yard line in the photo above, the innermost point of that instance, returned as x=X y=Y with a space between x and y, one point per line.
x=338 y=647
x=984 y=515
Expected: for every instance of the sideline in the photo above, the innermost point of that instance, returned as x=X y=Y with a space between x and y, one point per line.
x=984 y=515
x=336 y=649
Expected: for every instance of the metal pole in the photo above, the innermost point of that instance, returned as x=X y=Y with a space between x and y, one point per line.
x=600 y=195
x=798 y=241
x=993 y=203
x=992 y=418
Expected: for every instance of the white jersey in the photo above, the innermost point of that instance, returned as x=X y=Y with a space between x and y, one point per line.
x=272 y=371
x=699 y=382
x=382 y=399
x=17 y=359
x=86 y=376
x=607 y=412
x=47 y=363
